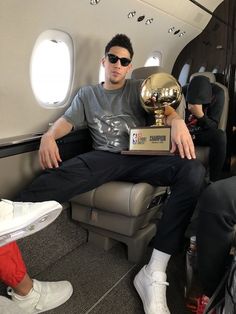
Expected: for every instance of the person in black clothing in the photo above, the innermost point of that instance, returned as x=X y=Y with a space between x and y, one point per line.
x=204 y=109
x=215 y=234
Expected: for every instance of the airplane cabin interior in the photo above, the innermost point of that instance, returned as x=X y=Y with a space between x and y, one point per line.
x=103 y=237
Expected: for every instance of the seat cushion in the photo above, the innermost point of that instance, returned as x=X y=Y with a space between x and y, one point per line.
x=124 y=198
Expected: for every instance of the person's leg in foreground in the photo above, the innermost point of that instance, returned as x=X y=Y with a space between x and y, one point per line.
x=29 y=295
x=21 y=219
x=217 y=217
x=151 y=281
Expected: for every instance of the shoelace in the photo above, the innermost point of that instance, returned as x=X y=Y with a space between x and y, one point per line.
x=156 y=283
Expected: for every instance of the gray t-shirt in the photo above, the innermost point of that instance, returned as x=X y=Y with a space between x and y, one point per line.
x=109 y=114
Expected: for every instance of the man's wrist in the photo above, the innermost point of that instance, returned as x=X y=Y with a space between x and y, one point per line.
x=49 y=135
x=168 y=110
x=172 y=117
x=175 y=118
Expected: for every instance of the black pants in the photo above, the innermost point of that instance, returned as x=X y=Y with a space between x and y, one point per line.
x=216 y=139
x=217 y=217
x=89 y=170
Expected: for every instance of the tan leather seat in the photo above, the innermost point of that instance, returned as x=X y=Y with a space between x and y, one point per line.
x=120 y=211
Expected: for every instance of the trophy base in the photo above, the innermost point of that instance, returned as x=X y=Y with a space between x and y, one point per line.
x=147 y=152
x=149 y=141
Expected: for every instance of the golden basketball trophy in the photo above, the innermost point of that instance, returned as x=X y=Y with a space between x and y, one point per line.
x=160 y=94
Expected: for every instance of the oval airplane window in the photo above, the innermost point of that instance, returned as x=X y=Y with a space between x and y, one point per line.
x=101 y=74
x=183 y=76
x=153 y=60
x=202 y=68
x=51 y=68
x=215 y=70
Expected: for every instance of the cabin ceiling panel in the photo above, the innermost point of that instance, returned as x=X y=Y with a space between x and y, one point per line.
x=92 y=25
x=186 y=10
x=146 y=38
x=211 y=5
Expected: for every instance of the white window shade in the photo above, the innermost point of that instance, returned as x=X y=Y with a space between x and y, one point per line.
x=154 y=59
x=52 y=68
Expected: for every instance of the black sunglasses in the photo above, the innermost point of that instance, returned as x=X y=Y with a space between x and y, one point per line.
x=123 y=61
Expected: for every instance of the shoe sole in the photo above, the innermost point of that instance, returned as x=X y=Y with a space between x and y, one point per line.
x=30 y=227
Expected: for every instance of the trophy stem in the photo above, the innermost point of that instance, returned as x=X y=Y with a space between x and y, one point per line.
x=159 y=117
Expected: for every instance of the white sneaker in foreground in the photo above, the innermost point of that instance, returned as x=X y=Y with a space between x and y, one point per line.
x=43 y=297
x=7 y=306
x=20 y=219
x=152 y=291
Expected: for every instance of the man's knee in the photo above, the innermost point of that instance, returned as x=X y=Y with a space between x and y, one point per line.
x=193 y=172
x=215 y=198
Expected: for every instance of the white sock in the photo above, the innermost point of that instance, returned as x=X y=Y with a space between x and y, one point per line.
x=158 y=261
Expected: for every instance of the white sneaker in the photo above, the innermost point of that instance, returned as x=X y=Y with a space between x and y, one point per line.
x=20 y=219
x=44 y=296
x=152 y=291
x=7 y=306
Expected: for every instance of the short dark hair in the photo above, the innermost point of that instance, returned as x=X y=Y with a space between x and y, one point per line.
x=120 y=40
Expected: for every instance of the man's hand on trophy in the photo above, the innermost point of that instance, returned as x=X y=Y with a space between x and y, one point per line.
x=181 y=139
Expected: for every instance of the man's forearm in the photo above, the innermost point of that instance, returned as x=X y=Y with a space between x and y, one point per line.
x=59 y=129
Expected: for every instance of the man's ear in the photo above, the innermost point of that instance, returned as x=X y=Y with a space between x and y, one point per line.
x=130 y=67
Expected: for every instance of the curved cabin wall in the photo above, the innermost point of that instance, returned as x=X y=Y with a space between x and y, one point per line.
x=19 y=161
x=213 y=47
x=90 y=27
x=17 y=172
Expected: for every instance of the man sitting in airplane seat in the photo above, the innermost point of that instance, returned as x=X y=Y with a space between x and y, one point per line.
x=203 y=113
x=18 y=220
x=110 y=109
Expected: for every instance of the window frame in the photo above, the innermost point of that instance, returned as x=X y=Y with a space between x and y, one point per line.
x=59 y=36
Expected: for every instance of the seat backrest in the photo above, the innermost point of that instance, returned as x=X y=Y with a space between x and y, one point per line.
x=210 y=75
x=145 y=72
x=224 y=116
x=221 y=93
